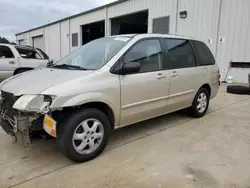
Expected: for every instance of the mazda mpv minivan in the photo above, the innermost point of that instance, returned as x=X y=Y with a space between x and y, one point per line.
x=106 y=84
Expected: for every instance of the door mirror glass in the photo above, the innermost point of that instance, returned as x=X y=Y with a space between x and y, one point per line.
x=131 y=67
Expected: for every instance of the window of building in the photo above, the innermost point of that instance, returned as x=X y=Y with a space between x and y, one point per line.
x=75 y=39
x=161 y=25
x=148 y=53
x=180 y=54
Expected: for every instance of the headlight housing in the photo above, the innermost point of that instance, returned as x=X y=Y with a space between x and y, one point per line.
x=33 y=103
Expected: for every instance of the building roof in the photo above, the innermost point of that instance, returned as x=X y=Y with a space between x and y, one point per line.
x=75 y=15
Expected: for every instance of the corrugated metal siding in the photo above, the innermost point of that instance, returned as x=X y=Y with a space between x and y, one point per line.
x=235 y=27
x=37 y=32
x=64 y=38
x=19 y=37
x=127 y=7
x=77 y=22
x=26 y=38
x=162 y=8
x=201 y=22
x=52 y=41
x=156 y=9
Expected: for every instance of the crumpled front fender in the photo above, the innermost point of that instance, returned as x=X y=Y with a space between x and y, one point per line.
x=78 y=100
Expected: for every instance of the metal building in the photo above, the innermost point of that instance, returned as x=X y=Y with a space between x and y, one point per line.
x=223 y=24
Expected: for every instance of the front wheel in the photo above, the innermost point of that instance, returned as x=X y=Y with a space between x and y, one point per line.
x=84 y=135
x=200 y=104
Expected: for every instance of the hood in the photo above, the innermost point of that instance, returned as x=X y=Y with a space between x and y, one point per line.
x=36 y=81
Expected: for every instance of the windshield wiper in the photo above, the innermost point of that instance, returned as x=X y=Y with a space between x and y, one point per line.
x=69 y=66
x=50 y=63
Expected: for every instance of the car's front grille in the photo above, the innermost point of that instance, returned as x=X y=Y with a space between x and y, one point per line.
x=7 y=112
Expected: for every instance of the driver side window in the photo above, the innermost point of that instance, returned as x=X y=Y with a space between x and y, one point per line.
x=147 y=53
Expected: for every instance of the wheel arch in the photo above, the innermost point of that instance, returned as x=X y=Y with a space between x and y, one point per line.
x=105 y=108
x=22 y=68
x=206 y=86
x=106 y=103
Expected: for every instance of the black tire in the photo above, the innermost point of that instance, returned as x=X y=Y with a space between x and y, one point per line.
x=193 y=111
x=21 y=71
x=237 y=89
x=68 y=127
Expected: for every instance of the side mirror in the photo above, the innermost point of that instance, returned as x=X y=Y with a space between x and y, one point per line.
x=130 y=67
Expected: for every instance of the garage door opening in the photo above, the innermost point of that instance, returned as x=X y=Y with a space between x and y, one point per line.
x=38 y=42
x=93 y=31
x=129 y=24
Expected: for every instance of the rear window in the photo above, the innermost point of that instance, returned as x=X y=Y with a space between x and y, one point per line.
x=204 y=55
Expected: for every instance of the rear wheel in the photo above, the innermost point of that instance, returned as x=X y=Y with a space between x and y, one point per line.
x=200 y=104
x=84 y=135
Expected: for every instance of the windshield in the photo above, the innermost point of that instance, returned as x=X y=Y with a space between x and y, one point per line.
x=95 y=54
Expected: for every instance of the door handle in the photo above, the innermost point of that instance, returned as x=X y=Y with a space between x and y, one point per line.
x=160 y=76
x=174 y=74
x=12 y=62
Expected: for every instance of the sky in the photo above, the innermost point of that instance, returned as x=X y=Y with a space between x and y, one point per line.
x=20 y=15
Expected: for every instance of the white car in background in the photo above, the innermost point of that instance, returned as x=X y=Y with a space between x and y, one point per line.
x=15 y=59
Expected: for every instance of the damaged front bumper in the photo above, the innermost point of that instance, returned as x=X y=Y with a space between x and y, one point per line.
x=20 y=125
x=21 y=130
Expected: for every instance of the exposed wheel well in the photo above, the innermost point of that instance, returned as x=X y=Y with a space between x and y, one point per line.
x=22 y=69
x=97 y=105
x=206 y=86
x=104 y=108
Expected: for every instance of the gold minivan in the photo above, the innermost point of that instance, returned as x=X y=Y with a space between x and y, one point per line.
x=106 y=84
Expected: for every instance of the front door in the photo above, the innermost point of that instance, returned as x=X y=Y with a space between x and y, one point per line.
x=8 y=62
x=144 y=94
x=184 y=75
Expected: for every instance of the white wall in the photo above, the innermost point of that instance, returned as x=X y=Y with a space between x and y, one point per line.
x=35 y=33
x=19 y=37
x=26 y=38
x=156 y=9
x=201 y=22
x=52 y=41
x=75 y=24
x=234 y=27
x=65 y=38
x=206 y=19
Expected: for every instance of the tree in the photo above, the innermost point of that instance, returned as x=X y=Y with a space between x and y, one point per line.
x=4 y=40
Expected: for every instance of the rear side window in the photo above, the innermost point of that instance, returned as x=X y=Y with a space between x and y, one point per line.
x=28 y=53
x=5 y=52
x=179 y=55
x=44 y=54
x=204 y=55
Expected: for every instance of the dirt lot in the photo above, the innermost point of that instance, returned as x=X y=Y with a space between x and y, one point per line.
x=172 y=151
